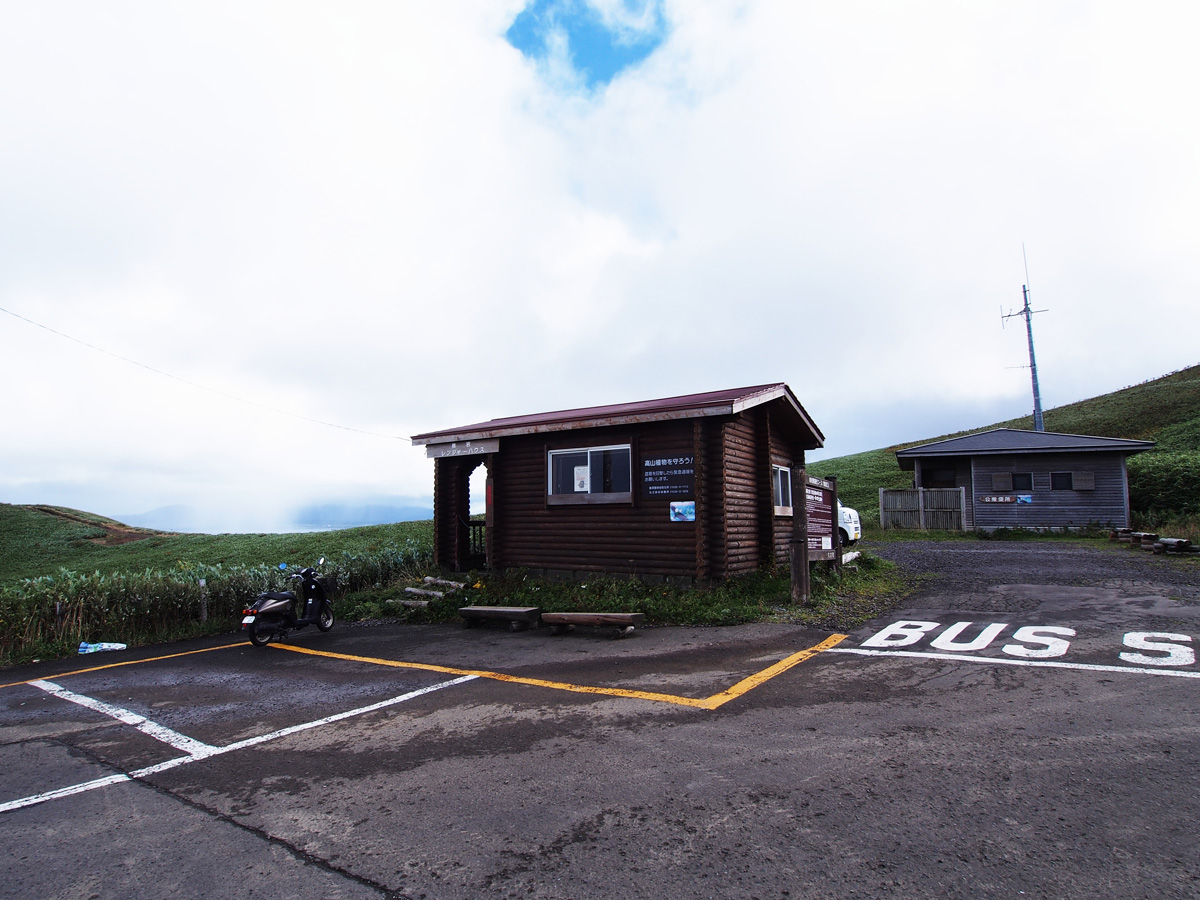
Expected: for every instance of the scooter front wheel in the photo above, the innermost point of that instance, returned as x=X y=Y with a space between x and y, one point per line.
x=325 y=620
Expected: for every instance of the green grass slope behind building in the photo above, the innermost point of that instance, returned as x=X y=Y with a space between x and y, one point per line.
x=39 y=540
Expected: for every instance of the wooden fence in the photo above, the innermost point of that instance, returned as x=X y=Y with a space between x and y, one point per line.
x=943 y=509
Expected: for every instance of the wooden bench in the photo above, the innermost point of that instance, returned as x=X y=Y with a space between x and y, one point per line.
x=518 y=617
x=1173 y=545
x=561 y=623
x=1137 y=538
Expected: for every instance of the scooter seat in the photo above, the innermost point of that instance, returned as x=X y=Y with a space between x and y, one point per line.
x=278 y=595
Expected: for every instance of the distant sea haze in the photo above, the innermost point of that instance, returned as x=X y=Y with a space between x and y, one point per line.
x=322 y=517
x=333 y=516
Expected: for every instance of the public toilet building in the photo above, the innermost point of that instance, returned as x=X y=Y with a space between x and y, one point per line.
x=687 y=488
x=1008 y=478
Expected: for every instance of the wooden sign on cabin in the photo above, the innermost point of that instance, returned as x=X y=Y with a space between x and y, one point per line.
x=670 y=476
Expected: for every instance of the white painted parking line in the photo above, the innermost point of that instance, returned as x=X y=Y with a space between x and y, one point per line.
x=304 y=726
x=959 y=657
x=212 y=751
x=174 y=739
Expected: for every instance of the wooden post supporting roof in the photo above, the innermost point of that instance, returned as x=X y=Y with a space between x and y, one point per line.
x=801 y=577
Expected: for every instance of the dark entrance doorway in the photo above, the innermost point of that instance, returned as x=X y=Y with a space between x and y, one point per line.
x=478 y=514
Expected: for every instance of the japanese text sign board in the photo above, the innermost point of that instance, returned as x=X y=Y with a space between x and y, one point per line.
x=822 y=531
x=670 y=476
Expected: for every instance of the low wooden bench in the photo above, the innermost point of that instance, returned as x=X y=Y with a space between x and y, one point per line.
x=561 y=623
x=1173 y=545
x=1137 y=538
x=518 y=617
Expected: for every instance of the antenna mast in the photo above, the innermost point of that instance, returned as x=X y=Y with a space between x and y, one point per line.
x=1038 y=423
x=1027 y=313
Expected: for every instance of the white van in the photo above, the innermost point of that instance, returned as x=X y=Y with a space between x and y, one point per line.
x=849 y=525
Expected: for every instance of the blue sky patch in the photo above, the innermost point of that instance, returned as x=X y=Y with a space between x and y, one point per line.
x=596 y=41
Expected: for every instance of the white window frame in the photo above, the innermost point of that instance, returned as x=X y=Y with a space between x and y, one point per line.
x=781 y=490
x=587 y=496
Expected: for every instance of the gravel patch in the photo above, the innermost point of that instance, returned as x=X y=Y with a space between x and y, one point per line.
x=983 y=574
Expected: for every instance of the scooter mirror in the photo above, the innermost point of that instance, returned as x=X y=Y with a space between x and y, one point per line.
x=321 y=561
x=283 y=567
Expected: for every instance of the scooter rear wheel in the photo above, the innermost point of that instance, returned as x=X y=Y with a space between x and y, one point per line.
x=260 y=632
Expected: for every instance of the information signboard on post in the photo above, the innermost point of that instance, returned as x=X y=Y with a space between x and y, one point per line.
x=814 y=529
x=820 y=498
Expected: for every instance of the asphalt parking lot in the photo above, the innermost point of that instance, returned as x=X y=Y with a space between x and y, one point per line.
x=1000 y=738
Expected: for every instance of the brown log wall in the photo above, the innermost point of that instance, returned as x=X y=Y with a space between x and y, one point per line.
x=450 y=486
x=735 y=531
x=743 y=439
x=637 y=538
x=710 y=506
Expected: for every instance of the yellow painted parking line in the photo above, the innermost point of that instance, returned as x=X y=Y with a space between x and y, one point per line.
x=127 y=662
x=716 y=700
x=748 y=684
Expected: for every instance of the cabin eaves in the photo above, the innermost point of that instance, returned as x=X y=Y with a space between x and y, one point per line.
x=1009 y=441
x=689 y=406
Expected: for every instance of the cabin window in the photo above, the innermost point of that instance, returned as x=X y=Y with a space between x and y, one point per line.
x=1073 y=481
x=1061 y=481
x=590 y=475
x=781 y=488
x=1012 y=481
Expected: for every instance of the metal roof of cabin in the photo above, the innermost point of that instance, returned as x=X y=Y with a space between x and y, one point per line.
x=1014 y=441
x=688 y=406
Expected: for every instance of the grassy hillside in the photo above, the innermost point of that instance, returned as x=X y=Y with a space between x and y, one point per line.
x=1163 y=482
x=39 y=540
x=860 y=477
x=1166 y=410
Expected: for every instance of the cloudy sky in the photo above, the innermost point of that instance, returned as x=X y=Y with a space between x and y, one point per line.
x=247 y=249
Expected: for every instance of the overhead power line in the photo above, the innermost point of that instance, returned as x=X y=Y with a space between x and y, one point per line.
x=203 y=387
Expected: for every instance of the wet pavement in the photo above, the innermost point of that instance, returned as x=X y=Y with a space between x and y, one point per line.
x=1046 y=749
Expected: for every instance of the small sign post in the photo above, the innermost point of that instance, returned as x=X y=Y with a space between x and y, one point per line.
x=801 y=582
x=814 y=529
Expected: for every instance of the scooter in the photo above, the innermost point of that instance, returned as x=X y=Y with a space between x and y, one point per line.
x=276 y=613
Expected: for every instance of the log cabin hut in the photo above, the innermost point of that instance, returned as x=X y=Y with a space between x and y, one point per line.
x=1030 y=479
x=690 y=488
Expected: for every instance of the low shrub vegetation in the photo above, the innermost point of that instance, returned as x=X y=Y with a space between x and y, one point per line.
x=1168 y=524
x=1165 y=484
x=150 y=590
x=841 y=600
x=50 y=615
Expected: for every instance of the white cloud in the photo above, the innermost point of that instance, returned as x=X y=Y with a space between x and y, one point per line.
x=384 y=216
